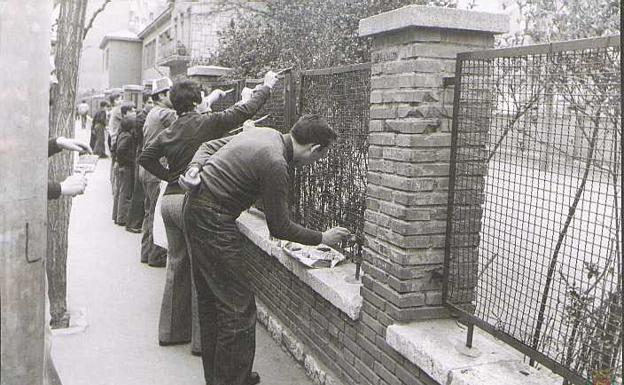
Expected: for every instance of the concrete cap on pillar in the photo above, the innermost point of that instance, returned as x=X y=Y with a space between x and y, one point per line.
x=200 y=70
x=419 y=16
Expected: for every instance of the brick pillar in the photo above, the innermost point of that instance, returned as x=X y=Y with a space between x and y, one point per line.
x=413 y=50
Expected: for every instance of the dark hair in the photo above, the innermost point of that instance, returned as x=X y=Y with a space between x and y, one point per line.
x=158 y=96
x=146 y=97
x=184 y=95
x=126 y=107
x=313 y=129
x=104 y=104
x=114 y=96
x=127 y=124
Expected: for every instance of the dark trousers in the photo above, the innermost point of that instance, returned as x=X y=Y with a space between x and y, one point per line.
x=150 y=253
x=97 y=141
x=179 y=320
x=113 y=173
x=137 y=210
x=123 y=194
x=115 y=185
x=226 y=303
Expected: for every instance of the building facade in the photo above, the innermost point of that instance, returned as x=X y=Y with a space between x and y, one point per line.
x=121 y=57
x=183 y=35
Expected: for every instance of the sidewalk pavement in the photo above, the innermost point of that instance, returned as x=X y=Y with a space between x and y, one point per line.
x=115 y=305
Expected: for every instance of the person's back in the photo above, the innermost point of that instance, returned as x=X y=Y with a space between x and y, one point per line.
x=114 y=123
x=125 y=143
x=236 y=174
x=159 y=118
x=138 y=128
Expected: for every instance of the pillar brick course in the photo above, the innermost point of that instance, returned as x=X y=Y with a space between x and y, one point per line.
x=413 y=50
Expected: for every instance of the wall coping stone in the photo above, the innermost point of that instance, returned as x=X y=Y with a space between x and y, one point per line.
x=208 y=71
x=329 y=283
x=438 y=348
x=418 y=16
x=133 y=87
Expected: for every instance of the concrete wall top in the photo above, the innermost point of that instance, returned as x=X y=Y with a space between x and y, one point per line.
x=133 y=87
x=208 y=71
x=419 y=16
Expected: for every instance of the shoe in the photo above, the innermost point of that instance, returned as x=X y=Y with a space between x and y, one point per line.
x=158 y=264
x=196 y=354
x=162 y=343
x=121 y=224
x=131 y=230
x=253 y=379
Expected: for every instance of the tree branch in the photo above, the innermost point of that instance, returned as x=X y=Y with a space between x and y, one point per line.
x=97 y=12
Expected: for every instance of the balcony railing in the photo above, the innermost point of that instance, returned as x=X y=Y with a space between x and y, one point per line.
x=173 y=52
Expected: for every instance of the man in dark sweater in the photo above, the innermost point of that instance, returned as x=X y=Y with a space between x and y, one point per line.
x=226 y=176
x=178 y=144
x=125 y=176
x=124 y=182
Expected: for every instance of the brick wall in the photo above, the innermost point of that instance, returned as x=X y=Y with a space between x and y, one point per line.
x=355 y=351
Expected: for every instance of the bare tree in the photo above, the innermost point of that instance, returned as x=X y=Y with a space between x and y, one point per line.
x=70 y=34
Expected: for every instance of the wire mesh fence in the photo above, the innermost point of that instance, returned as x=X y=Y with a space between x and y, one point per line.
x=230 y=98
x=276 y=107
x=332 y=192
x=534 y=247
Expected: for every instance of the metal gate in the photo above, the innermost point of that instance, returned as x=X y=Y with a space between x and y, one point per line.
x=534 y=232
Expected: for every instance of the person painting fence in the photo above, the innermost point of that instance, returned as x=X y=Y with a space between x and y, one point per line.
x=225 y=177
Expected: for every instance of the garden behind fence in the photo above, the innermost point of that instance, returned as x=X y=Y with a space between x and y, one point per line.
x=534 y=229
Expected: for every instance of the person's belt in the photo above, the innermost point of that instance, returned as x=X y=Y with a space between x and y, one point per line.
x=205 y=198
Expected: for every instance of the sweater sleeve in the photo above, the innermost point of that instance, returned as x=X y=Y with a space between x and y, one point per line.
x=54 y=190
x=222 y=122
x=275 y=182
x=206 y=150
x=167 y=117
x=150 y=160
x=53 y=148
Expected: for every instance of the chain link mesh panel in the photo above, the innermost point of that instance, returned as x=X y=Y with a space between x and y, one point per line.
x=534 y=250
x=332 y=191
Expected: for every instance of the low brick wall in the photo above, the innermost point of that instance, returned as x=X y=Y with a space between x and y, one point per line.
x=413 y=51
x=355 y=351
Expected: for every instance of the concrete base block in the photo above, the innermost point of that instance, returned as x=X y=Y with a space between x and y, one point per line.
x=438 y=348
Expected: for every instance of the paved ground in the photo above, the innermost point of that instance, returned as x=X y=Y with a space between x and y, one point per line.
x=120 y=301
